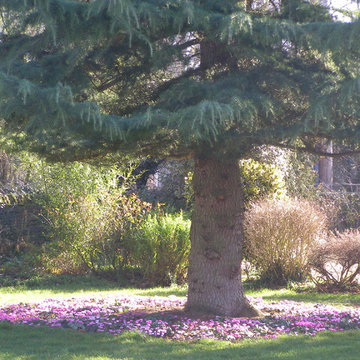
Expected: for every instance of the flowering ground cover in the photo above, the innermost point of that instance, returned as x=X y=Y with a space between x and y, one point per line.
x=162 y=317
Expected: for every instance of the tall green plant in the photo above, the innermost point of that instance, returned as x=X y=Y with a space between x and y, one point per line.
x=159 y=248
x=87 y=215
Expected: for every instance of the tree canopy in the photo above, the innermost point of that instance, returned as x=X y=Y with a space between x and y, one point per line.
x=176 y=77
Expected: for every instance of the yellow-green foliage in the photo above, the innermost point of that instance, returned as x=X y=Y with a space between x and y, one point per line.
x=88 y=215
x=261 y=179
x=88 y=233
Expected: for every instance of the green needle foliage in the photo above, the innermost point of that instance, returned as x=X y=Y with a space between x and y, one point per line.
x=174 y=77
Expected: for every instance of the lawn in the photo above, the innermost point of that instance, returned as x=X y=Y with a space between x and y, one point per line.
x=33 y=291
x=22 y=342
x=58 y=342
x=81 y=288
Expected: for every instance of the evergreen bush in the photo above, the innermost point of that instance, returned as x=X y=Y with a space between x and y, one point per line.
x=261 y=180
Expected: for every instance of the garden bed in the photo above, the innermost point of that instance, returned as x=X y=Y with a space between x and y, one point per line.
x=164 y=317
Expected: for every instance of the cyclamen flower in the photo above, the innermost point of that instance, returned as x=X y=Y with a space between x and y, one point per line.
x=146 y=315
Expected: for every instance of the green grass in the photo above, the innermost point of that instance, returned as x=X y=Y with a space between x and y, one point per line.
x=32 y=291
x=60 y=287
x=22 y=342
x=340 y=299
x=14 y=295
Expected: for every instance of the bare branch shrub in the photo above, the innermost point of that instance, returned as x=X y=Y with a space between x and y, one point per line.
x=279 y=236
x=335 y=261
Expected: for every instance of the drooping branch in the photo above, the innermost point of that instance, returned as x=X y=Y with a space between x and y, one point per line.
x=313 y=150
x=114 y=81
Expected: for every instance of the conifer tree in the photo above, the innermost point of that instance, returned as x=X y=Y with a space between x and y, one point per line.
x=203 y=79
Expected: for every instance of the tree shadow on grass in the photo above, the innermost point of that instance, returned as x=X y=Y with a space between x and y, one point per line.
x=61 y=283
x=41 y=343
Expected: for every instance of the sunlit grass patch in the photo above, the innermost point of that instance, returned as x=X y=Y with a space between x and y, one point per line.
x=22 y=342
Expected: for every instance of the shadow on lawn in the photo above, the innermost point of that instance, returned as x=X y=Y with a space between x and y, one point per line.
x=47 y=343
x=67 y=283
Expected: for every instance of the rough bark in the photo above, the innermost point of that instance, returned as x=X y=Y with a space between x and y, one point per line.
x=216 y=240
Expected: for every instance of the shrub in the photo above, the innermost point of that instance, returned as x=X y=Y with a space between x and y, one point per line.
x=259 y=180
x=335 y=261
x=159 y=248
x=88 y=233
x=87 y=215
x=279 y=236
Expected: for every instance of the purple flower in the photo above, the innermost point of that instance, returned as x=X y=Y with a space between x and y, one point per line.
x=136 y=313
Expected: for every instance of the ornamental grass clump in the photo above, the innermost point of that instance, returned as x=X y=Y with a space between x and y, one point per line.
x=335 y=261
x=159 y=247
x=279 y=237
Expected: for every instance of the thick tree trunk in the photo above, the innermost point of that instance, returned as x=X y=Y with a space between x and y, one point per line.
x=216 y=239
